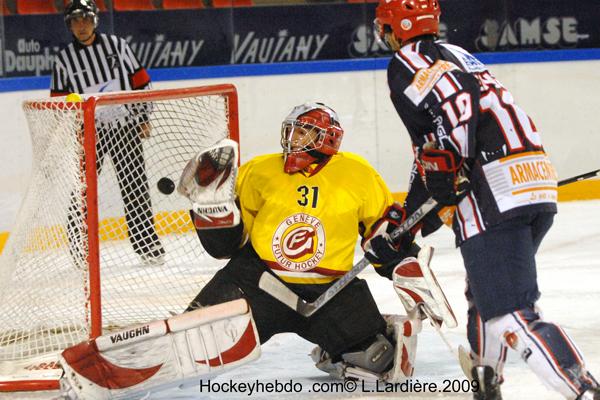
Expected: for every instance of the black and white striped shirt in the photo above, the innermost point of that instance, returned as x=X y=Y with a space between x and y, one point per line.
x=107 y=65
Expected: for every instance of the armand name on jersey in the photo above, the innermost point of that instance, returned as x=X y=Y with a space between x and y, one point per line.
x=522 y=179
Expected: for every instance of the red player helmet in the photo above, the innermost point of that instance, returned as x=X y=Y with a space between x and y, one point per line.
x=407 y=18
x=310 y=132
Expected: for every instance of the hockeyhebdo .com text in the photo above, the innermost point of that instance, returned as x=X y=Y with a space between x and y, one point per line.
x=250 y=388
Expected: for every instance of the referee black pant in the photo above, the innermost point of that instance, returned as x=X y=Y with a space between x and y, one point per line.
x=123 y=145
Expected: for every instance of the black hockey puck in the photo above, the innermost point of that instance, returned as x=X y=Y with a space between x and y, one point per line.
x=165 y=185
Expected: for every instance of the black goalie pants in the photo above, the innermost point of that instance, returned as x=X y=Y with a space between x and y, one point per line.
x=350 y=320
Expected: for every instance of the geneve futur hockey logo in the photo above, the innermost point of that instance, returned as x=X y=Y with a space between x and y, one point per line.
x=299 y=242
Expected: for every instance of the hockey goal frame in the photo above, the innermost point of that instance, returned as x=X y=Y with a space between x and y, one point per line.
x=89 y=107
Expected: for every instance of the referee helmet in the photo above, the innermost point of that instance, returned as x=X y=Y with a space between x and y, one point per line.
x=83 y=9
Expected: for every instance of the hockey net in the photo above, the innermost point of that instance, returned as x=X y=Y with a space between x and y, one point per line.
x=97 y=246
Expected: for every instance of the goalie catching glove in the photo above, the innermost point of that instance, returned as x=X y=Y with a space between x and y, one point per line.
x=208 y=180
x=379 y=247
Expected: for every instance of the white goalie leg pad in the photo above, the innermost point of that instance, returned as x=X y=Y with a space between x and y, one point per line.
x=366 y=365
x=405 y=331
x=161 y=354
x=415 y=283
x=208 y=180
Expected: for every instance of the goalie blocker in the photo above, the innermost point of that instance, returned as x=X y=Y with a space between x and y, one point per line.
x=161 y=354
x=422 y=297
x=419 y=290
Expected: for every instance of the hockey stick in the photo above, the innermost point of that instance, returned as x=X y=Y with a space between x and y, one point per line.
x=578 y=178
x=438 y=329
x=270 y=284
x=281 y=292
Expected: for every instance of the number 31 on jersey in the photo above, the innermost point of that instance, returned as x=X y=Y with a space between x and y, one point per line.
x=309 y=196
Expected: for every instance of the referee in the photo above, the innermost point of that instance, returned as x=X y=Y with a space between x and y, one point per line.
x=93 y=63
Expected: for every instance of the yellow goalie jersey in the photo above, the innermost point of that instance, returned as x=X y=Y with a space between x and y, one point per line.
x=305 y=227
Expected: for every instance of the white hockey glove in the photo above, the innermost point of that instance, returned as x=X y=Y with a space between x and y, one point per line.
x=159 y=355
x=208 y=180
x=417 y=287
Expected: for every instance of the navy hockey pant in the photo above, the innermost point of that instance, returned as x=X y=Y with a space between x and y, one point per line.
x=500 y=264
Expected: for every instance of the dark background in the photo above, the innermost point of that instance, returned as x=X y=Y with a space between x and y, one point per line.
x=294 y=31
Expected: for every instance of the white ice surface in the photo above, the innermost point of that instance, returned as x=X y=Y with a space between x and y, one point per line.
x=569 y=278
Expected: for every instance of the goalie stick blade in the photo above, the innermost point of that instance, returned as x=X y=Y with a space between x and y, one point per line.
x=306 y=309
x=466 y=364
x=277 y=289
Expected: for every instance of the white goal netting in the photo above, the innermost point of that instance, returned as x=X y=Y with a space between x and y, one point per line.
x=53 y=292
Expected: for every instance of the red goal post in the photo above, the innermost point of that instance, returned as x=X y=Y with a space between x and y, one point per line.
x=96 y=245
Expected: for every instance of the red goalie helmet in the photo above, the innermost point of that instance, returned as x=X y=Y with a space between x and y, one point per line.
x=310 y=133
x=407 y=18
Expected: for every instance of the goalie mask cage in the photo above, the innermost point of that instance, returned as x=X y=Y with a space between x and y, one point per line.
x=86 y=254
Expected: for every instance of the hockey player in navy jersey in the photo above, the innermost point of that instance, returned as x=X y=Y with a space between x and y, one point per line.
x=478 y=151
